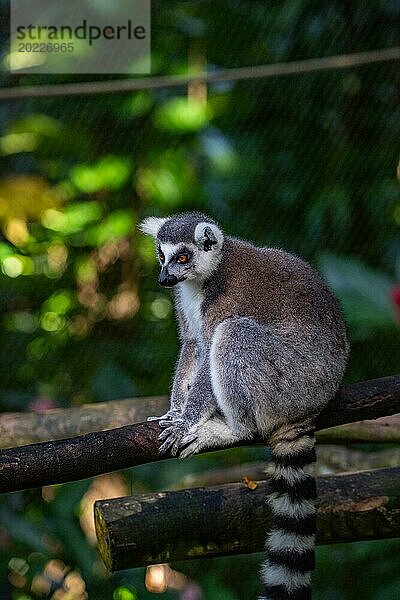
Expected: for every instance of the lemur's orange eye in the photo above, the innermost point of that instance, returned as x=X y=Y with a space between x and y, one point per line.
x=161 y=256
x=182 y=258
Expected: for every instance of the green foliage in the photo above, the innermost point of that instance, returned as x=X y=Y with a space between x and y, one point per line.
x=305 y=162
x=111 y=172
x=364 y=294
x=179 y=115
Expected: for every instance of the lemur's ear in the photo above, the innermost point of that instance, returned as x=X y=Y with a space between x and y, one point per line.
x=208 y=236
x=152 y=225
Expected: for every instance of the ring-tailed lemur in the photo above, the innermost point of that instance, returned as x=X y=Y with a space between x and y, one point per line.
x=264 y=349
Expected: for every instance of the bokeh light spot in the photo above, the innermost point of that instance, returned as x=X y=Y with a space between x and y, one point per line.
x=51 y=322
x=124 y=593
x=161 y=308
x=12 y=266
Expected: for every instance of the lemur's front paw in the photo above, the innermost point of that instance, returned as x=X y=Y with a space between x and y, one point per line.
x=172 y=436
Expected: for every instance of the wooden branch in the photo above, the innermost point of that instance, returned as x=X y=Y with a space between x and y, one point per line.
x=94 y=453
x=385 y=429
x=19 y=429
x=359 y=401
x=232 y=519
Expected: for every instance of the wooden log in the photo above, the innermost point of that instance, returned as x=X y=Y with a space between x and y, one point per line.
x=361 y=401
x=94 y=453
x=20 y=429
x=232 y=519
x=383 y=430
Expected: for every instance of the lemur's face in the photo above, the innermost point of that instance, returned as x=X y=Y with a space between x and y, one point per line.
x=188 y=248
x=177 y=261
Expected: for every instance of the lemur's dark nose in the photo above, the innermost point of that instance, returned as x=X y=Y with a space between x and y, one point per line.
x=166 y=279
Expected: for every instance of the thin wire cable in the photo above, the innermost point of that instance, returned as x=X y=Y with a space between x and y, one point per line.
x=342 y=61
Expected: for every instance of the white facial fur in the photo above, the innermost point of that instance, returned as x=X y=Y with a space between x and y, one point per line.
x=169 y=250
x=202 y=264
x=189 y=293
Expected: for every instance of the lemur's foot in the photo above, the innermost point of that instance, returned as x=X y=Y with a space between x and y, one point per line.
x=197 y=438
x=191 y=446
x=172 y=435
x=214 y=433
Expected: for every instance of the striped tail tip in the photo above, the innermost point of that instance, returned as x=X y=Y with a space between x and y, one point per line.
x=286 y=573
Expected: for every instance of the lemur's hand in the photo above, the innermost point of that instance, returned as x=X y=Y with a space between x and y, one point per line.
x=172 y=414
x=172 y=435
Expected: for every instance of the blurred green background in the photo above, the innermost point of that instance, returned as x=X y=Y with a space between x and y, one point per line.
x=306 y=162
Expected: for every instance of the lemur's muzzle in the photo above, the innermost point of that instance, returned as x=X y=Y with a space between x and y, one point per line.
x=166 y=279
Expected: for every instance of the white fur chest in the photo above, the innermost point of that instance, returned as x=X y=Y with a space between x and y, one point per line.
x=190 y=298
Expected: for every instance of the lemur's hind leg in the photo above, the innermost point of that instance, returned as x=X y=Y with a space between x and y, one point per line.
x=230 y=387
x=254 y=371
x=245 y=377
x=255 y=375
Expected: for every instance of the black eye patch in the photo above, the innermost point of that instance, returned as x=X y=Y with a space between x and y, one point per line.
x=183 y=256
x=160 y=254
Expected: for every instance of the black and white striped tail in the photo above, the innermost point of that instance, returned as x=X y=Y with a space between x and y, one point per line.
x=286 y=572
